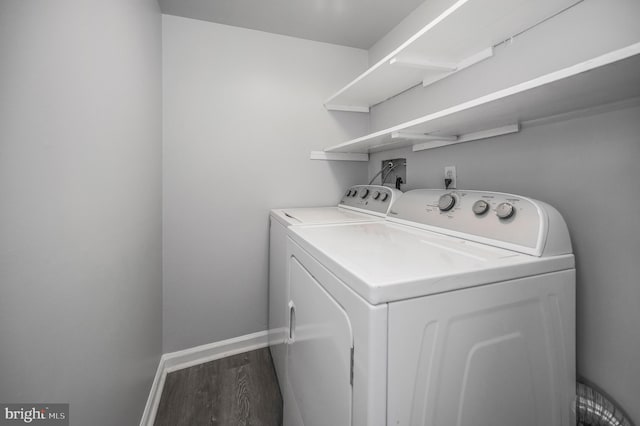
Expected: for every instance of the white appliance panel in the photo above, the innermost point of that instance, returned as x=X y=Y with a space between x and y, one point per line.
x=384 y=261
x=280 y=219
x=453 y=321
x=360 y=203
x=369 y=326
x=522 y=231
x=372 y=199
x=497 y=355
x=319 y=353
x=309 y=216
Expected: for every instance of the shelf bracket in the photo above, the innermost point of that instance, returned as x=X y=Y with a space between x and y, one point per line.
x=422 y=137
x=465 y=63
x=467 y=137
x=423 y=64
x=347 y=108
x=338 y=156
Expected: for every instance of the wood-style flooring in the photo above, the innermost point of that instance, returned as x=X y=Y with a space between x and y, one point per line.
x=240 y=390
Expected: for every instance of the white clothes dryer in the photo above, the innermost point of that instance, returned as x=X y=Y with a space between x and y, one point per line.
x=457 y=310
x=360 y=203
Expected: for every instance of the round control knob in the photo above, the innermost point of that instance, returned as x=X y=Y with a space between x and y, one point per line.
x=446 y=202
x=348 y=193
x=385 y=197
x=364 y=194
x=376 y=195
x=480 y=207
x=505 y=210
x=354 y=192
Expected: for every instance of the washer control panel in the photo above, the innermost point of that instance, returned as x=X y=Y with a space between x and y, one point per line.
x=372 y=198
x=501 y=219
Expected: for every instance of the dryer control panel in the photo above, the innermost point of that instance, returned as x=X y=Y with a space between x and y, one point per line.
x=504 y=220
x=375 y=199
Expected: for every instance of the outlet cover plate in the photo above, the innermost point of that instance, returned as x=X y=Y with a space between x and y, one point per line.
x=450 y=173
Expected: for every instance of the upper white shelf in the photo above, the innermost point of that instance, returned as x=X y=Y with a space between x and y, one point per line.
x=459 y=37
x=612 y=77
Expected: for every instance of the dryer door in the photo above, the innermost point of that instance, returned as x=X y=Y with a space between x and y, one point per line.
x=318 y=355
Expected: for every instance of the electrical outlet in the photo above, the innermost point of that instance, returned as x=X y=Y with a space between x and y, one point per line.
x=395 y=172
x=450 y=173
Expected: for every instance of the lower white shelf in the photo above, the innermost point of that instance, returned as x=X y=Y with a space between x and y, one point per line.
x=482 y=134
x=338 y=156
x=609 y=78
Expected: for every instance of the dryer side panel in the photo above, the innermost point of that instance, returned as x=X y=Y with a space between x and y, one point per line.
x=278 y=297
x=501 y=354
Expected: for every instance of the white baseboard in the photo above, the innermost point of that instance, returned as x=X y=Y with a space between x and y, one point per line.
x=174 y=361
x=151 y=407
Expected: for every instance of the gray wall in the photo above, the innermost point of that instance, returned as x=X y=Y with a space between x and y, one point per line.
x=242 y=111
x=414 y=21
x=585 y=165
x=80 y=207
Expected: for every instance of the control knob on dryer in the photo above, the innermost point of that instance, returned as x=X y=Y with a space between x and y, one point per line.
x=376 y=195
x=480 y=207
x=446 y=202
x=505 y=210
x=364 y=194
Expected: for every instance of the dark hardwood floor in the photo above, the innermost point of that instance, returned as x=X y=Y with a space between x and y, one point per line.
x=240 y=390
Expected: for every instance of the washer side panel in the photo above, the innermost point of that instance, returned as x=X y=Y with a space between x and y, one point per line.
x=498 y=354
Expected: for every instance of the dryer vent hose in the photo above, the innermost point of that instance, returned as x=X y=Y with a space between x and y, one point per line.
x=594 y=409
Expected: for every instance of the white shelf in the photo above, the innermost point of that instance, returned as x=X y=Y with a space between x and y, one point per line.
x=608 y=78
x=459 y=37
x=338 y=156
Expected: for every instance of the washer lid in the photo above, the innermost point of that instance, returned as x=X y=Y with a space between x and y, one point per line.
x=321 y=215
x=384 y=261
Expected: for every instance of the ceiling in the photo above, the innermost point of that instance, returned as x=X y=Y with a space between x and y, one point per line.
x=355 y=23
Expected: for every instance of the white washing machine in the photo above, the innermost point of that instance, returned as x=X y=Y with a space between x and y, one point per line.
x=360 y=203
x=457 y=310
